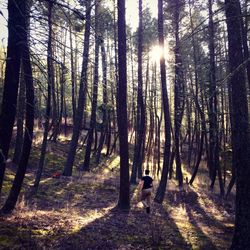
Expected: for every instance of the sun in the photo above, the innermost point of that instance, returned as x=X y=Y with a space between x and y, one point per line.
x=156 y=53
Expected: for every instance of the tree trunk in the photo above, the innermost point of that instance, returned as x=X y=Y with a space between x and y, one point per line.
x=124 y=202
x=105 y=102
x=29 y=120
x=81 y=99
x=86 y=163
x=73 y=77
x=163 y=182
x=213 y=123
x=48 y=104
x=9 y=99
x=178 y=94
x=240 y=131
x=140 y=114
x=20 y=119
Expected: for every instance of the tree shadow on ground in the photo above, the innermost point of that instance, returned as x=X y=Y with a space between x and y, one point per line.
x=211 y=232
x=127 y=230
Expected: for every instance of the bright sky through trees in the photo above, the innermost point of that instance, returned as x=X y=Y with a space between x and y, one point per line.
x=3 y=21
x=132 y=11
x=131 y=14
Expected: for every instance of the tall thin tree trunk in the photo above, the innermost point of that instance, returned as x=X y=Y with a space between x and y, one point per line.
x=140 y=114
x=9 y=99
x=213 y=123
x=124 y=201
x=73 y=69
x=48 y=104
x=105 y=102
x=86 y=163
x=81 y=99
x=163 y=182
x=178 y=94
x=29 y=119
x=240 y=130
x=20 y=119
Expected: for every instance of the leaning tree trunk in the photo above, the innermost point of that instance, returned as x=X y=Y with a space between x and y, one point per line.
x=9 y=99
x=48 y=104
x=140 y=116
x=29 y=120
x=240 y=131
x=163 y=182
x=124 y=201
x=213 y=123
x=81 y=99
x=178 y=94
x=86 y=162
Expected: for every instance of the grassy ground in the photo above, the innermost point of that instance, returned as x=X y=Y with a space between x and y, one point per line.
x=79 y=213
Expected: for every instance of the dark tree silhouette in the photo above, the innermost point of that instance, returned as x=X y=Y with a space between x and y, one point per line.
x=140 y=114
x=92 y=124
x=240 y=130
x=163 y=182
x=16 y=24
x=213 y=109
x=29 y=117
x=124 y=202
x=48 y=104
x=81 y=99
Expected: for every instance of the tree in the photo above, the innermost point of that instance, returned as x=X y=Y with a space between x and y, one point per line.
x=240 y=129
x=29 y=117
x=20 y=119
x=124 y=201
x=140 y=114
x=81 y=99
x=178 y=89
x=16 y=23
x=164 y=176
x=48 y=104
x=92 y=124
x=213 y=123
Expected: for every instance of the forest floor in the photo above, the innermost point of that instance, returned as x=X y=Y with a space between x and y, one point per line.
x=79 y=212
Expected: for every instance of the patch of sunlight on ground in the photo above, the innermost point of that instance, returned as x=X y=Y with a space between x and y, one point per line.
x=186 y=227
x=62 y=137
x=44 y=181
x=208 y=205
x=114 y=163
x=9 y=176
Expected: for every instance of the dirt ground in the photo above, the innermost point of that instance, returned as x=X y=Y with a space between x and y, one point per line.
x=80 y=212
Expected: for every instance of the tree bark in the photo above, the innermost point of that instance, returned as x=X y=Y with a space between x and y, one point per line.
x=213 y=123
x=48 y=104
x=240 y=130
x=86 y=163
x=9 y=99
x=178 y=94
x=81 y=99
x=124 y=201
x=163 y=182
x=20 y=119
x=29 y=119
x=105 y=102
x=140 y=114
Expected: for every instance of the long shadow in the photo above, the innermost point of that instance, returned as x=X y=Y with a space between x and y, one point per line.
x=174 y=234
x=189 y=201
x=132 y=230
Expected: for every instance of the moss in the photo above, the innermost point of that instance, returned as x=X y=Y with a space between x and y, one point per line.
x=40 y=232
